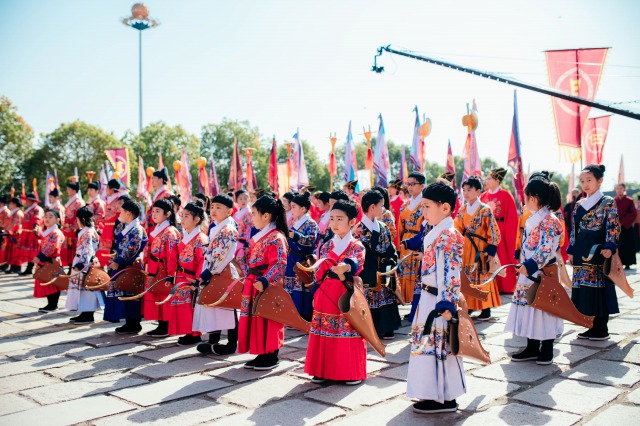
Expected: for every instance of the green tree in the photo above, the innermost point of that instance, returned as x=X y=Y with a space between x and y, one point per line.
x=76 y=144
x=16 y=141
x=160 y=138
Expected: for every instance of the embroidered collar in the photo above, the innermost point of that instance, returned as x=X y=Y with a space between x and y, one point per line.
x=215 y=230
x=494 y=191
x=395 y=197
x=158 y=229
x=56 y=204
x=72 y=199
x=112 y=198
x=134 y=222
x=435 y=232
x=471 y=208
x=31 y=207
x=535 y=219
x=187 y=237
x=301 y=221
x=97 y=197
x=415 y=202
x=591 y=200
x=243 y=211
x=84 y=231
x=341 y=244
x=372 y=225
x=326 y=216
x=264 y=231
x=12 y=212
x=49 y=230
x=158 y=192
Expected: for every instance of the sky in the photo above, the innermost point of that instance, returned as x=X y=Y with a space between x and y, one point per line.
x=306 y=64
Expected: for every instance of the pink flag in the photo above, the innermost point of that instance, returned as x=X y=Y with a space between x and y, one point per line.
x=472 y=163
x=594 y=137
x=119 y=158
x=185 y=179
x=515 y=156
x=214 y=185
x=621 y=171
x=142 y=182
x=235 y=170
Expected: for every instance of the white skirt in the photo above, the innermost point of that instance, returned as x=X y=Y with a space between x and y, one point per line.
x=82 y=300
x=206 y=320
x=532 y=323
x=429 y=377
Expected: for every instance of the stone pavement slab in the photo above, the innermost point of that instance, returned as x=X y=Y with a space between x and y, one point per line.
x=25 y=381
x=47 y=351
x=605 y=372
x=571 y=354
x=506 y=339
x=398 y=373
x=14 y=346
x=627 y=353
x=168 y=390
x=113 y=339
x=481 y=392
x=370 y=392
x=187 y=412
x=520 y=414
x=397 y=353
x=289 y=412
x=81 y=370
x=634 y=396
x=31 y=365
x=180 y=367
x=569 y=395
x=261 y=392
x=397 y=412
x=239 y=374
x=67 y=413
x=520 y=372
x=80 y=388
x=572 y=339
x=11 y=403
x=89 y=353
x=168 y=354
x=620 y=415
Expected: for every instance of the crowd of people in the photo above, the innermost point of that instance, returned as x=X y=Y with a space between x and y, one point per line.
x=422 y=233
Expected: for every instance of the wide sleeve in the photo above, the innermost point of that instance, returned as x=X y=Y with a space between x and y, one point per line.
x=448 y=252
x=85 y=251
x=415 y=243
x=492 y=232
x=572 y=231
x=218 y=250
x=511 y=222
x=458 y=222
x=198 y=254
x=546 y=248
x=355 y=257
x=170 y=243
x=305 y=238
x=612 y=226
x=38 y=220
x=131 y=246
x=277 y=255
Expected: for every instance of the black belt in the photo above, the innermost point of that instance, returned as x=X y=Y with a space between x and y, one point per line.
x=257 y=270
x=155 y=259
x=430 y=290
x=186 y=271
x=499 y=219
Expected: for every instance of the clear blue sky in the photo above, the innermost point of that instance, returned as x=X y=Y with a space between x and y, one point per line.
x=288 y=64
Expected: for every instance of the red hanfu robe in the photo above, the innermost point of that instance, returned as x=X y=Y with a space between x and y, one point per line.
x=59 y=207
x=4 y=224
x=506 y=214
x=14 y=226
x=29 y=241
x=69 y=228
x=336 y=351
x=161 y=194
x=179 y=313
x=98 y=207
x=106 y=226
x=267 y=261
x=243 y=220
x=162 y=249
x=50 y=245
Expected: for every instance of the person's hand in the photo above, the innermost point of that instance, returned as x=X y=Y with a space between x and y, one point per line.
x=35 y=260
x=113 y=265
x=258 y=286
x=570 y=259
x=446 y=315
x=341 y=268
x=291 y=233
x=490 y=258
x=95 y=261
x=606 y=253
x=419 y=256
x=76 y=269
x=522 y=270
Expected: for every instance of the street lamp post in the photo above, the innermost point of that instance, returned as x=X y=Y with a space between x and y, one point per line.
x=140 y=21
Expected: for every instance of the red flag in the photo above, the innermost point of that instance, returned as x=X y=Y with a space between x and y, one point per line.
x=578 y=73
x=185 y=179
x=203 y=179
x=470 y=154
x=273 y=166
x=515 y=155
x=119 y=159
x=252 y=184
x=142 y=192
x=451 y=165
x=235 y=171
x=214 y=185
x=594 y=138
x=621 y=171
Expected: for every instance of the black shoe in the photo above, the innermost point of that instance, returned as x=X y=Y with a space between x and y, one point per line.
x=389 y=336
x=214 y=337
x=188 y=340
x=546 y=353
x=268 y=362
x=12 y=270
x=352 y=382
x=318 y=380
x=469 y=312
x=129 y=328
x=626 y=268
x=47 y=309
x=162 y=330
x=587 y=334
x=530 y=353
x=73 y=319
x=432 y=407
x=485 y=315
x=599 y=336
x=85 y=318
x=253 y=362
x=205 y=348
x=28 y=271
x=227 y=349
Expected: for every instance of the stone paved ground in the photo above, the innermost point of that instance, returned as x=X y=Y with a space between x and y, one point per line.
x=54 y=373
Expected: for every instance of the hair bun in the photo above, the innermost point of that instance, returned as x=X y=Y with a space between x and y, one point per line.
x=198 y=202
x=306 y=195
x=602 y=167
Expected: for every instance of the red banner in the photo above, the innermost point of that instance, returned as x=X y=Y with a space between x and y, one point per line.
x=576 y=72
x=273 y=166
x=119 y=159
x=594 y=138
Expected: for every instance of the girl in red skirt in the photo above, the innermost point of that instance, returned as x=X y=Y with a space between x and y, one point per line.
x=336 y=351
x=266 y=261
x=50 y=245
x=190 y=259
x=161 y=252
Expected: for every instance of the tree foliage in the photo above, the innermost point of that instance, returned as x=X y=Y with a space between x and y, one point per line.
x=16 y=141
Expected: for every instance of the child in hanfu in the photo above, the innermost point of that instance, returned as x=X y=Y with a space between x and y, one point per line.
x=243 y=219
x=50 y=246
x=435 y=376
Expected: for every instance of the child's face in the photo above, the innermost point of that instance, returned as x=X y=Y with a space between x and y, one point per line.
x=589 y=183
x=297 y=211
x=260 y=220
x=340 y=222
x=470 y=193
x=434 y=212
x=242 y=200
x=158 y=215
x=50 y=219
x=189 y=222
x=219 y=212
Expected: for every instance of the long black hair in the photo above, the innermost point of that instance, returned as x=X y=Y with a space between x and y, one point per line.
x=303 y=200
x=85 y=216
x=597 y=170
x=167 y=207
x=196 y=208
x=370 y=198
x=385 y=195
x=547 y=192
x=267 y=204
